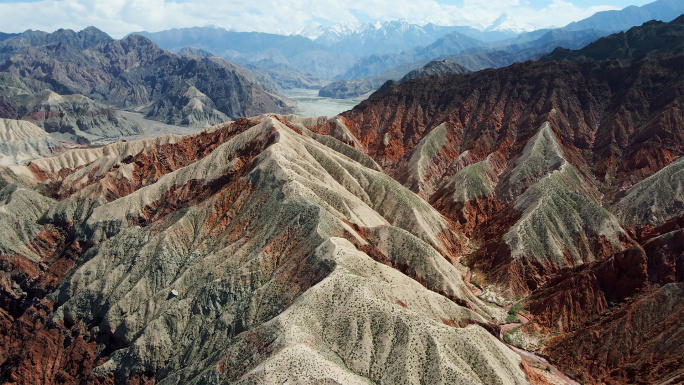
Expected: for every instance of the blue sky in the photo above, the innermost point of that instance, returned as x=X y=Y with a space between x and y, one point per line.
x=119 y=17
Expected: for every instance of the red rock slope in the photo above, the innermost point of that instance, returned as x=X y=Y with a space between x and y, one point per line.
x=565 y=178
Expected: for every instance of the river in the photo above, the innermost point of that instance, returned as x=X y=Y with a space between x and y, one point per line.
x=310 y=104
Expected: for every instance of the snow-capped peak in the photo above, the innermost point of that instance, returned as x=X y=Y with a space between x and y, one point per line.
x=505 y=24
x=310 y=31
x=348 y=28
x=341 y=30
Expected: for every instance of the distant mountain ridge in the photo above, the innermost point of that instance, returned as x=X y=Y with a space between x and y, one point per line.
x=256 y=47
x=376 y=69
x=496 y=56
x=384 y=38
x=663 y=10
x=332 y=52
x=366 y=50
x=390 y=36
x=525 y=46
x=83 y=39
x=393 y=67
x=376 y=65
x=502 y=28
x=134 y=73
x=652 y=37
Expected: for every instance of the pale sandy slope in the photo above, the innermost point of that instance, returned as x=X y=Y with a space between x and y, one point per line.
x=22 y=141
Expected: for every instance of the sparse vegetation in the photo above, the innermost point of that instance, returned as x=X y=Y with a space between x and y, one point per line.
x=477 y=283
x=513 y=313
x=509 y=337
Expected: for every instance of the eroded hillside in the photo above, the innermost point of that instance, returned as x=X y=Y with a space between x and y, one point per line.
x=261 y=252
x=426 y=236
x=563 y=176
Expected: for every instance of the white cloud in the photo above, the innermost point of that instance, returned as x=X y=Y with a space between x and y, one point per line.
x=119 y=17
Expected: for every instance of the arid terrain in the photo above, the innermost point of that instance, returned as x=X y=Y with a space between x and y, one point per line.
x=515 y=225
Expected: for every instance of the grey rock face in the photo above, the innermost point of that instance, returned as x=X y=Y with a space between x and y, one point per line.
x=347 y=89
x=135 y=73
x=75 y=115
x=436 y=67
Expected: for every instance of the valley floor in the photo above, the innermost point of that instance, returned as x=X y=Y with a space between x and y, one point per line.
x=151 y=128
x=310 y=104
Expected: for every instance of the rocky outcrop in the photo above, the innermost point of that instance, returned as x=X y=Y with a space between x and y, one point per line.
x=577 y=295
x=666 y=257
x=65 y=119
x=467 y=198
x=436 y=67
x=198 y=110
x=349 y=89
x=559 y=224
x=389 y=127
x=75 y=116
x=22 y=141
x=583 y=300
x=194 y=51
x=8 y=109
x=653 y=201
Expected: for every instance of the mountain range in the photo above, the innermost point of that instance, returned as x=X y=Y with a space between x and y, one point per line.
x=345 y=89
x=360 y=31
x=512 y=225
x=70 y=84
x=520 y=222
x=390 y=36
x=393 y=48
x=256 y=48
x=664 y=10
x=369 y=73
x=565 y=176
x=476 y=55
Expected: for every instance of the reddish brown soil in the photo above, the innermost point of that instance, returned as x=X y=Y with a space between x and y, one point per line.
x=33 y=348
x=150 y=164
x=617 y=124
x=637 y=342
